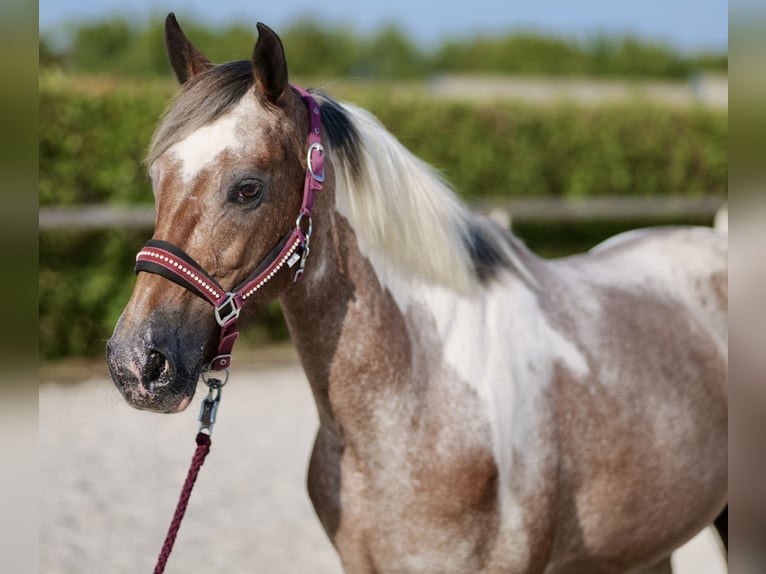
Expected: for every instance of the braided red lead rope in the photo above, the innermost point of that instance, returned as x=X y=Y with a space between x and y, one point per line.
x=203 y=447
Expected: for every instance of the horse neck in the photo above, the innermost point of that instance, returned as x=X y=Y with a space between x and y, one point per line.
x=350 y=334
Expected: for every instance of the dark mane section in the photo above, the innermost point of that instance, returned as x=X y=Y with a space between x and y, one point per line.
x=203 y=99
x=484 y=247
x=342 y=135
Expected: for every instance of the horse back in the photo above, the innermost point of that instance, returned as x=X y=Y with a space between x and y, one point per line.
x=684 y=265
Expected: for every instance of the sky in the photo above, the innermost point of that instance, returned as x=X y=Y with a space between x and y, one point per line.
x=684 y=24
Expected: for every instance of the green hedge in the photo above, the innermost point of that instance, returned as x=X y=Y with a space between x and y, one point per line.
x=92 y=142
x=523 y=151
x=85 y=281
x=93 y=138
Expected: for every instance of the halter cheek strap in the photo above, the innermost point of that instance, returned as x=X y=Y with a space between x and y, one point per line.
x=171 y=262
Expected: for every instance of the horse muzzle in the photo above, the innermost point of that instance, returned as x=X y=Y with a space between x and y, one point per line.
x=149 y=375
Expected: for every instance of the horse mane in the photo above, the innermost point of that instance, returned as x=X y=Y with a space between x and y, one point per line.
x=401 y=207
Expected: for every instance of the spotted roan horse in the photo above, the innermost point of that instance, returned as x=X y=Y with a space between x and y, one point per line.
x=480 y=409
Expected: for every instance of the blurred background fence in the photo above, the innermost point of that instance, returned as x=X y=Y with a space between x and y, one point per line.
x=576 y=140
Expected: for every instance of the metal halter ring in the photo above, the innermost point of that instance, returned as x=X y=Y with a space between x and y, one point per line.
x=298 y=222
x=212 y=382
x=318 y=147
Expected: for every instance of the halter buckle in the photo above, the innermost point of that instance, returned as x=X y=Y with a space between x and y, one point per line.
x=230 y=307
x=218 y=363
x=310 y=162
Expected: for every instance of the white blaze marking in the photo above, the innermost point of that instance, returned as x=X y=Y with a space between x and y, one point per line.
x=202 y=147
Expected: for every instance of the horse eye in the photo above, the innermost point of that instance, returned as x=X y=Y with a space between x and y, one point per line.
x=249 y=190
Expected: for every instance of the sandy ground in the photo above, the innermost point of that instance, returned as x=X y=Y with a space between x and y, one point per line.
x=110 y=478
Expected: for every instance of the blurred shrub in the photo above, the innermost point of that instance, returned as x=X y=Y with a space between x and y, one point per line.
x=93 y=139
x=123 y=46
x=533 y=54
x=522 y=151
x=85 y=281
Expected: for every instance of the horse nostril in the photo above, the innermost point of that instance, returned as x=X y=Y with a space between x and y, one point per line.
x=156 y=371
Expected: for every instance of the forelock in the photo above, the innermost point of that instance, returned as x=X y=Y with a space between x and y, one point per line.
x=202 y=100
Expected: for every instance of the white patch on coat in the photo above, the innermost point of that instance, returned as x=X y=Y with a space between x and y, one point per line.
x=498 y=341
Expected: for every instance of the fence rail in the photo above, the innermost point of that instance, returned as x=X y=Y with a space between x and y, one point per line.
x=603 y=208
x=96 y=217
x=91 y=217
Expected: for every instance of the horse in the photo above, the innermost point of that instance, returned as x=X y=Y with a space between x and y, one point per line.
x=480 y=409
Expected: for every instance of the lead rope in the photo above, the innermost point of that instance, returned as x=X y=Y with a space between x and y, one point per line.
x=207 y=416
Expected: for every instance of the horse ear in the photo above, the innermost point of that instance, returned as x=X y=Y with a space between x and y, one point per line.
x=269 y=64
x=186 y=60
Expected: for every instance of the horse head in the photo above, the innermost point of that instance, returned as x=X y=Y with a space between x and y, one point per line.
x=228 y=166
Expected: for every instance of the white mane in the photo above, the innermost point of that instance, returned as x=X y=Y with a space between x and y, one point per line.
x=401 y=207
